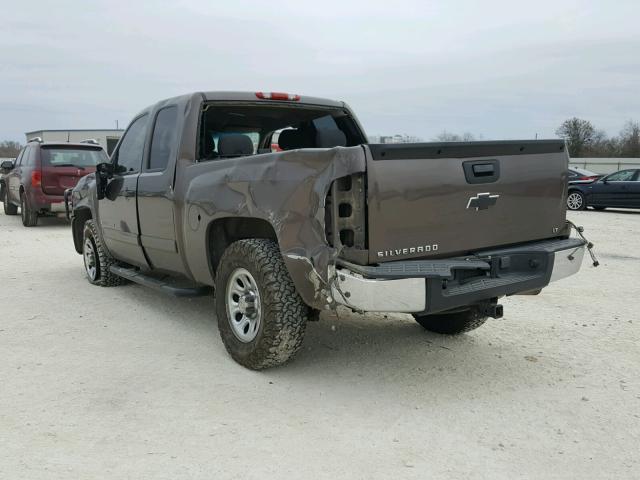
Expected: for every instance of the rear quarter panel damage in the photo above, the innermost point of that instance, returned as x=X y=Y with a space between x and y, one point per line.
x=286 y=189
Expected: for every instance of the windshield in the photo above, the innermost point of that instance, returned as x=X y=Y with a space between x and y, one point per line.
x=74 y=157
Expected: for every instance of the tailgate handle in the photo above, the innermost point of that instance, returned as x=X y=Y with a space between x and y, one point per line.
x=481 y=171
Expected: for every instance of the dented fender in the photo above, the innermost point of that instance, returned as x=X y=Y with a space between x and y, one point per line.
x=287 y=190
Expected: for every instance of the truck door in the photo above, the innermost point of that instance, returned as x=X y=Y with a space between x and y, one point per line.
x=117 y=212
x=155 y=193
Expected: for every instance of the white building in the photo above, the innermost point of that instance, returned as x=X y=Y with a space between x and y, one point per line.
x=108 y=138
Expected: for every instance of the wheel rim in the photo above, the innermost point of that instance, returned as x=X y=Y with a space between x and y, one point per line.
x=574 y=201
x=89 y=254
x=243 y=305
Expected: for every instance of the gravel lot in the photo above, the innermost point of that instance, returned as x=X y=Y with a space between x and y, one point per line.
x=128 y=383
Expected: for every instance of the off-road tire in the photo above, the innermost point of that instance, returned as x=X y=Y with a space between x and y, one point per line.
x=452 y=323
x=29 y=216
x=104 y=277
x=283 y=313
x=9 y=208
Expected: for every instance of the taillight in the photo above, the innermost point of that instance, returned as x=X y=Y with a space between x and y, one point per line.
x=36 y=178
x=277 y=96
x=345 y=212
x=587 y=178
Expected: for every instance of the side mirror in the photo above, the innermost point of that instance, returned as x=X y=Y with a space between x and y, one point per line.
x=104 y=172
x=6 y=166
x=604 y=180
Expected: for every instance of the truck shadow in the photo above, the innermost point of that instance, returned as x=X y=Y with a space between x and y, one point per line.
x=59 y=222
x=392 y=347
x=352 y=348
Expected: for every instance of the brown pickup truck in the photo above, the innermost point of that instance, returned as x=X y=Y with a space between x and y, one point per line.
x=278 y=204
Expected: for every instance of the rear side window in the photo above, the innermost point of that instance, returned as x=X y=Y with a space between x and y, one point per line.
x=164 y=138
x=29 y=158
x=621 y=176
x=20 y=156
x=129 y=157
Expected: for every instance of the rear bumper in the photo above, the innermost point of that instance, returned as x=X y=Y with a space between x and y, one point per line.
x=38 y=200
x=430 y=286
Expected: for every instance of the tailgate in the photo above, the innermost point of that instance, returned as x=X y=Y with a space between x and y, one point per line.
x=435 y=199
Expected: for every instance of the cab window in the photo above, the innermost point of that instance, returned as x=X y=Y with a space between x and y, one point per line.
x=129 y=155
x=163 y=140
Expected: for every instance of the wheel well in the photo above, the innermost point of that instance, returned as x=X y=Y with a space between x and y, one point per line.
x=224 y=231
x=80 y=216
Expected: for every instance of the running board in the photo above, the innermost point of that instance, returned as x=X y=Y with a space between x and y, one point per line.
x=160 y=285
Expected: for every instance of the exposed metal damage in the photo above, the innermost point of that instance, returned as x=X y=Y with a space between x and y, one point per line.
x=288 y=190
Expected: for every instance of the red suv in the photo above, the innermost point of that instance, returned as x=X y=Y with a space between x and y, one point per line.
x=36 y=181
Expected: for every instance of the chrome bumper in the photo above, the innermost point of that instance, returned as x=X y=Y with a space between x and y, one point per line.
x=405 y=295
x=567 y=262
x=410 y=295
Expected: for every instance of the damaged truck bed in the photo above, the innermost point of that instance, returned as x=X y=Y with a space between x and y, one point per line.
x=277 y=203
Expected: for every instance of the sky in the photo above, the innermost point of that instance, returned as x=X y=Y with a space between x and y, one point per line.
x=497 y=69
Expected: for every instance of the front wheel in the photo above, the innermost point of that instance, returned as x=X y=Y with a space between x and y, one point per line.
x=575 y=200
x=97 y=259
x=261 y=317
x=29 y=216
x=452 y=323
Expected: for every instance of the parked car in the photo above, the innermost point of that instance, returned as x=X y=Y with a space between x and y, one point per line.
x=36 y=181
x=580 y=175
x=194 y=198
x=620 y=190
x=6 y=164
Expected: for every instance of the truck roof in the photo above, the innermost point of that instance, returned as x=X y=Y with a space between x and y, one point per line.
x=252 y=97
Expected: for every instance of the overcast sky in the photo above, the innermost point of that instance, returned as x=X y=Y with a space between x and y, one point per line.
x=500 y=69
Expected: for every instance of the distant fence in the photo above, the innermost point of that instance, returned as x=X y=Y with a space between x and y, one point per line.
x=605 y=165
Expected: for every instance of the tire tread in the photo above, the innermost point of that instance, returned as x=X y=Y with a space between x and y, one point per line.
x=284 y=314
x=106 y=278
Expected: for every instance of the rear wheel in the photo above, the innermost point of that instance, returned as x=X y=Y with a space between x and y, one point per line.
x=9 y=208
x=29 y=216
x=452 y=323
x=97 y=259
x=261 y=317
x=575 y=200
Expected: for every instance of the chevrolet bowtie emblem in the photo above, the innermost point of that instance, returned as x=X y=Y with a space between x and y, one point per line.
x=482 y=201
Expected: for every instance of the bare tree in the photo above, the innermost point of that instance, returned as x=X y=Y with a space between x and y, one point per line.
x=629 y=139
x=603 y=146
x=9 y=149
x=579 y=135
